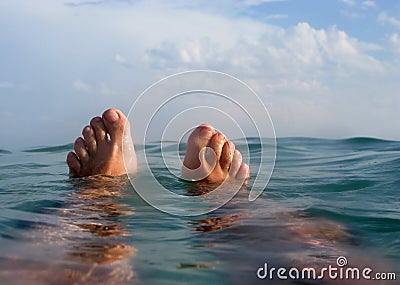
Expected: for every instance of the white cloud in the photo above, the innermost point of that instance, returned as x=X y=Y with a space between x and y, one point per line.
x=120 y=59
x=394 y=39
x=258 y=2
x=295 y=52
x=303 y=86
x=395 y=42
x=350 y=14
x=348 y=2
x=368 y=4
x=83 y=3
x=81 y=86
x=6 y=84
x=309 y=72
x=6 y=115
x=105 y=90
x=385 y=18
x=277 y=16
x=360 y=7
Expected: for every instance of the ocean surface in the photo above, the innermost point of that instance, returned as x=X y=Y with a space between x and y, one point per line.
x=326 y=199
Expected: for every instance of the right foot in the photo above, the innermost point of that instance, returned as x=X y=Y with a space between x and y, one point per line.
x=199 y=164
x=100 y=149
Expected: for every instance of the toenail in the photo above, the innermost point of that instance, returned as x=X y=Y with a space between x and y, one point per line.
x=87 y=129
x=205 y=130
x=206 y=126
x=112 y=116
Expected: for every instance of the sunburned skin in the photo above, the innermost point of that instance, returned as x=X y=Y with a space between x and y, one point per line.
x=100 y=151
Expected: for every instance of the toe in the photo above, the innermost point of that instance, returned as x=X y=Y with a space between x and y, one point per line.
x=99 y=130
x=74 y=164
x=204 y=132
x=244 y=172
x=80 y=150
x=200 y=137
x=236 y=163
x=226 y=155
x=90 y=139
x=216 y=143
x=197 y=140
x=114 y=121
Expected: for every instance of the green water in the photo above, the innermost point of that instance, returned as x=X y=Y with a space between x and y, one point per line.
x=326 y=198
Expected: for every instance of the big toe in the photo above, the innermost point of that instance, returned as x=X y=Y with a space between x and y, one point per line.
x=198 y=140
x=115 y=121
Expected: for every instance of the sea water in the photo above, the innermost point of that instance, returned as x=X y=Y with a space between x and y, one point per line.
x=326 y=199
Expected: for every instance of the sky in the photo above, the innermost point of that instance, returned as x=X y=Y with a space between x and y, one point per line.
x=325 y=69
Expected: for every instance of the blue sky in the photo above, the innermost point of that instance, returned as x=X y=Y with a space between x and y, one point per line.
x=323 y=68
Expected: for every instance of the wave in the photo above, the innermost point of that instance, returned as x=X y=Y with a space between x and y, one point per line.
x=367 y=140
x=386 y=222
x=300 y=143
x=53 y=149
x=351 y=139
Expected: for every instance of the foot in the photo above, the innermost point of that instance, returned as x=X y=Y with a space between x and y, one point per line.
x=211 y=157
x=100 y=150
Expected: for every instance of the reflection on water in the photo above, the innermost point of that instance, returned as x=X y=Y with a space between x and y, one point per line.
x=215 y=223
x=288 y=238
x=85 y=245
x=93 y=210
x=88 y=243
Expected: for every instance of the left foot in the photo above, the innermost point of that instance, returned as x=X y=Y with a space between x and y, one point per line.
x=100 y=149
